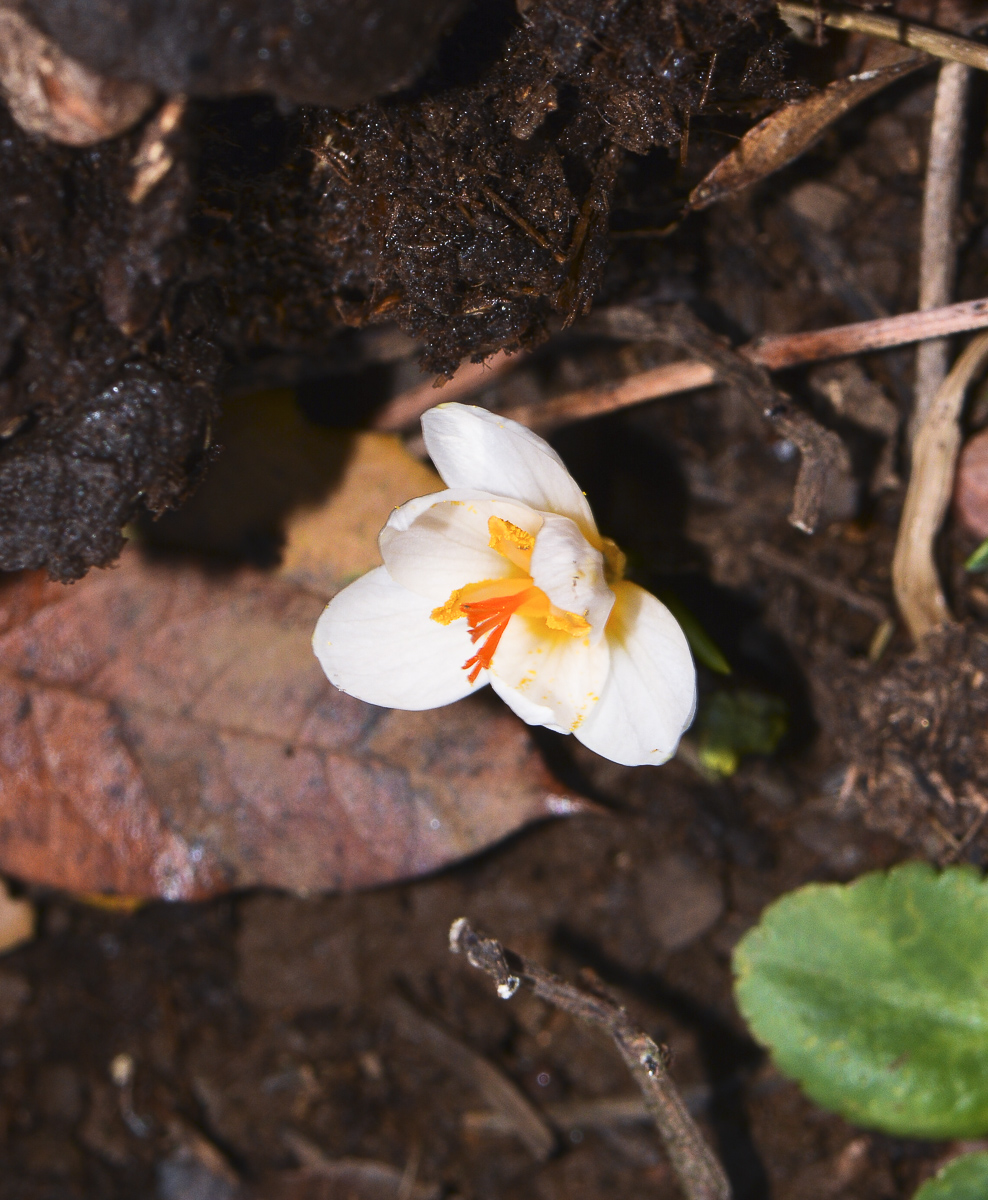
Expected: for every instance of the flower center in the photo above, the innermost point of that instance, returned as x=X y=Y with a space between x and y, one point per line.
x=490 y=604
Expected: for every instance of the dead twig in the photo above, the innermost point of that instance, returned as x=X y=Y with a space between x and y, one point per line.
x=862 y=337
x=700 y=1175
x=406 y=408
x=825 y=465
x=496 y=1088
x=893 y=29
x=595 y=401
x=635 y=324
x=934 y=459
x=937 y=253
x=827 y=587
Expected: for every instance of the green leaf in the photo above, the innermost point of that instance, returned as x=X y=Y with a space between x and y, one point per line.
x=701 y=643
x=732 y=724
x=966 y=1178
x=874 y=996
x=978 y=560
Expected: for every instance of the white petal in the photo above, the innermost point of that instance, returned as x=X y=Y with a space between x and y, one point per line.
x=521 y=706
x=571 y=572
x=650 y=695
x=447 y=545
x=402 y=516
x=550 y=670
x=472 y=447
x=376 y=641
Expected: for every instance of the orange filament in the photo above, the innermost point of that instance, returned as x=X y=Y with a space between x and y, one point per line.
x=489 y=619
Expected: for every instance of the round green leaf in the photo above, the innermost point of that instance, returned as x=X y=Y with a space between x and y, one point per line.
x=874 y=996
x=966 y=1178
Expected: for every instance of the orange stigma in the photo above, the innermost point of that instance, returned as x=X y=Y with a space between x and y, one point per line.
x=489 y=619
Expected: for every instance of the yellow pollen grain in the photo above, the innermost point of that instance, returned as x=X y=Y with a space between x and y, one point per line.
x=447 y=613
x=511 y=542
x=567 y=622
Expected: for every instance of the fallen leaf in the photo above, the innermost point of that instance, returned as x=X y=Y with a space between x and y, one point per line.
x=971 y=485
x=167 y=731
x=791 y=130
x=50 y=93
x=332 y=543
x=17 y=920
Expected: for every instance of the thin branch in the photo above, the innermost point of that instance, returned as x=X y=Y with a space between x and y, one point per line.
x=666 y=380
x=893 y=29
x=632 y=324
x=825 y=466
x=700 y=1175
x=406 y=408
x=938 y=249
x=934 y=460
x=861 y=337
x=774 y=353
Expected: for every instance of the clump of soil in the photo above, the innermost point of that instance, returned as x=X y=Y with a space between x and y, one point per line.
x=920 y=754
x=472 y=210
x=107 y=369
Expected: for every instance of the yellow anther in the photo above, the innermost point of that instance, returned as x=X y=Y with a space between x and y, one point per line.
x=513 y=543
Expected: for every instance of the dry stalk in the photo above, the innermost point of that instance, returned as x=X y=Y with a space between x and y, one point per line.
x=893 y=29
x=938 y=250
x=406 y=408
x=700 y=1175
x=774 y=352
x=934 y=460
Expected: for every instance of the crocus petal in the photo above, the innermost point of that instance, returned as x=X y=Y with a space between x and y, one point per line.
x=551 y=670
x=472 y=447
x=448 y=545
x=571 y=572
x=377 y=641
x=650 y=695
x=521 y=706
x=403 y=516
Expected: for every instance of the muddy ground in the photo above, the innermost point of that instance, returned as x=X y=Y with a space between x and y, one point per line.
x=254 y=1020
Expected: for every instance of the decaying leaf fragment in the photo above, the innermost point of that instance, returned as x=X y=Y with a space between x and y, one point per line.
x=52 y=94
x=791 y=130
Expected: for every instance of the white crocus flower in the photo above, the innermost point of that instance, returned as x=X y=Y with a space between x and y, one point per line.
x=504 y=579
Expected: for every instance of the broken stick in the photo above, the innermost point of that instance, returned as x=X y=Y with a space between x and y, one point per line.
x=934 y=459
x=937 y=244
x=700 y=1175
x=892 y=28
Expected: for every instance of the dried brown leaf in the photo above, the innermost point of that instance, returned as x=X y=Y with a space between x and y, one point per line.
x=52 y=94
x=791 y=130
x=164 y=731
